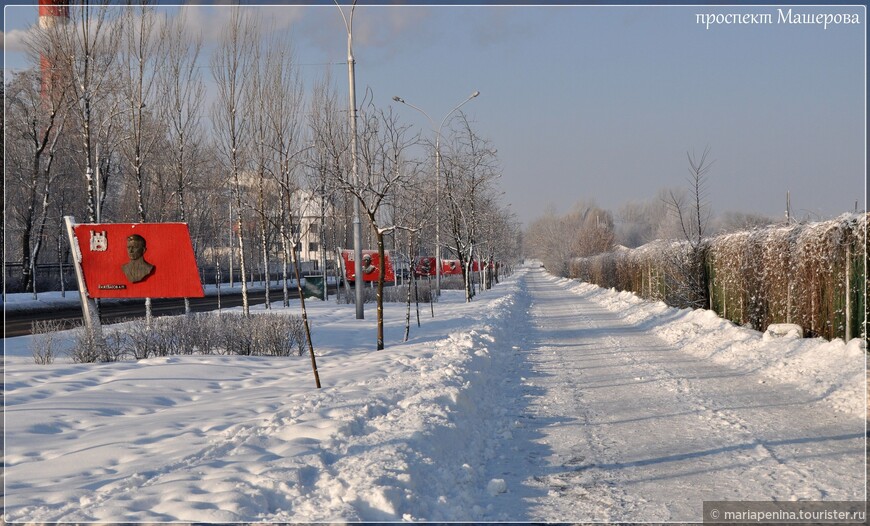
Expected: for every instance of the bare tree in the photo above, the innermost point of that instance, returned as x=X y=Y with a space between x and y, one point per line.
x=689 y=263
x=556 y=240
x=142 y=57
x=471 y=169
x=278 y=129
x=498 y=240
x=231 y=67
x=547 y=239
x=182 y=91
x=36 y=117
x=384 y=168
x=508 y=242
x=283 y=104
x=693 y=215
x=591 y=230
x=87 y=48
x=262 y=153
x=329 y=160
x=275 y=110
x=411 y=212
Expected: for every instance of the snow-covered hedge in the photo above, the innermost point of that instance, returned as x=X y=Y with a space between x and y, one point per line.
x=813 y=275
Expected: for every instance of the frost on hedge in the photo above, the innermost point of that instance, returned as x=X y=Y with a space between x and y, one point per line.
x=812 y=275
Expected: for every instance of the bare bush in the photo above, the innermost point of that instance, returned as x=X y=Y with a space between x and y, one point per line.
x=276 y=335
x=296 y=334
x=256 y=335
x=89 y=347
x=141 y=340
x=44 y=344
x=453 y=282
x=236 y=334
x=205 y=330
x=422 y=292
x=117 y=344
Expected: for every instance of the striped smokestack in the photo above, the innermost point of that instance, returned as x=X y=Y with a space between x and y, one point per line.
x=51 y=13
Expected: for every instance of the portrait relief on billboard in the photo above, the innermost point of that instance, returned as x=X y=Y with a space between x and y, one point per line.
x=425 y=267
x=370 y=267
x=451 y=266
x=138 y=260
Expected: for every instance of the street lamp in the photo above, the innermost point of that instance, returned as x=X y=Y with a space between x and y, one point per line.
x=437 y=180
x=357 y=229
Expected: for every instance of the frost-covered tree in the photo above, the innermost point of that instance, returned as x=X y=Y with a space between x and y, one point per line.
x=385 y=166
x=36 y=117
x=556 y=240
x=87 y=53
x=231 y=66
x=470 y=169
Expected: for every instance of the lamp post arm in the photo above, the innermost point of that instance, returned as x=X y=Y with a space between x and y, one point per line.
x=475 y=94
x=348 y=24
x=403 y=101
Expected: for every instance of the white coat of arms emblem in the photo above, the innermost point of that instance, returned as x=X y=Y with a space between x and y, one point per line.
x=99 y=243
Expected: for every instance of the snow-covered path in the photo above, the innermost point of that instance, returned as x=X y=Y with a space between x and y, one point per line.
x=636 y=429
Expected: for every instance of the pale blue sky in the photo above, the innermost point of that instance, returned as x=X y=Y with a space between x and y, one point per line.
x=602 y=103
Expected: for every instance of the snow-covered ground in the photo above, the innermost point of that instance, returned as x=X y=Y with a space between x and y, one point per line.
x=543 y=400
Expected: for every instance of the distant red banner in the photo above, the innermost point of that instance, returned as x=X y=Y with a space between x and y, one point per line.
x=138 y=260
x=451 y=266
x=370 y=265
x=425 y=267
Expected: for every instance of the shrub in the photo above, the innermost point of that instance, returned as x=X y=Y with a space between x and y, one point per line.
x=88 y=348
x=256 y=335
x=44 y=344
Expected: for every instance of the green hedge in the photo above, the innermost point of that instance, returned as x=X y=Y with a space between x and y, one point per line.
x=813 y=275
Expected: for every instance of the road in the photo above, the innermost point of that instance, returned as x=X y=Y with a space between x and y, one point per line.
x=639 y=430
x=18 y=323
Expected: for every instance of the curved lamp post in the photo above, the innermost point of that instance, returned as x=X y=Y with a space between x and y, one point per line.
x=437 y=180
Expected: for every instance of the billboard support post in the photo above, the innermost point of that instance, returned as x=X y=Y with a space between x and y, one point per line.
x=90 y=314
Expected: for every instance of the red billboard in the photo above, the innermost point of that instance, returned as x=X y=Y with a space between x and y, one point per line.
x=138 y=260
x=425 y=266
x=371 y=264
x=451 y=266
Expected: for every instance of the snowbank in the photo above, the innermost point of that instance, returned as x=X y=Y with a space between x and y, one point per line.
x=397 y=434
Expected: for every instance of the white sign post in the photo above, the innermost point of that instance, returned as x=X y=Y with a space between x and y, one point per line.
x=90 y=314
